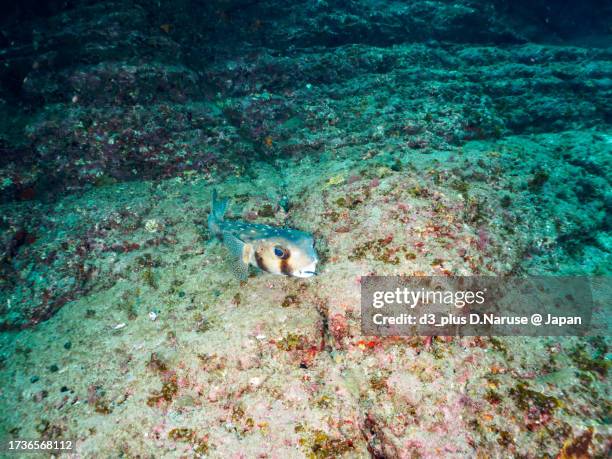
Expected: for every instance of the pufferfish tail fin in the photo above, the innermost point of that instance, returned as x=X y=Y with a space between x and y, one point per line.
x=219 y=207
x=217 y=213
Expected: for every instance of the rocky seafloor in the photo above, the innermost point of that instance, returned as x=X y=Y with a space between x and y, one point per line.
x=415 y=138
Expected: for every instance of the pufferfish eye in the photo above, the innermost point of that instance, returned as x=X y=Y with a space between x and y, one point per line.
x=280 y=252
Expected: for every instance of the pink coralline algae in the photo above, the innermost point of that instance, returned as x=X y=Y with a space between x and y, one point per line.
x=483 y=239
x=338 y=327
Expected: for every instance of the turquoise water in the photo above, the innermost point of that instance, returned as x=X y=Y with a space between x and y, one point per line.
x=436 y=138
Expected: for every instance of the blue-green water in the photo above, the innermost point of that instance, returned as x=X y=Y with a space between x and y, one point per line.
x=416 y=138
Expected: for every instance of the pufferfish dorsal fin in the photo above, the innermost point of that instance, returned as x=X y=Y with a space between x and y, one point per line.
x=240 y=255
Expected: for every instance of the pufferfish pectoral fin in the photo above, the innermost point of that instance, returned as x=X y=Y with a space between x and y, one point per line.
x=240 y=254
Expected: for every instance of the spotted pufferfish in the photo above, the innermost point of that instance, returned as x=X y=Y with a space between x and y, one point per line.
x=272 y=249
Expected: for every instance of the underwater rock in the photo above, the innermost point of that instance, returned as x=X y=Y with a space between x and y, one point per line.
x=447 y=138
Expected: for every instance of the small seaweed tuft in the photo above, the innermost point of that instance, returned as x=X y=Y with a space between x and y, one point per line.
x=537 y=181
x=291 y=342
x=526 y=398
x=319 y=445
x=166 y=394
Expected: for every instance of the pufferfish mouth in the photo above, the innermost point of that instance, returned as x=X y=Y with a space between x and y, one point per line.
x=307 y=271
